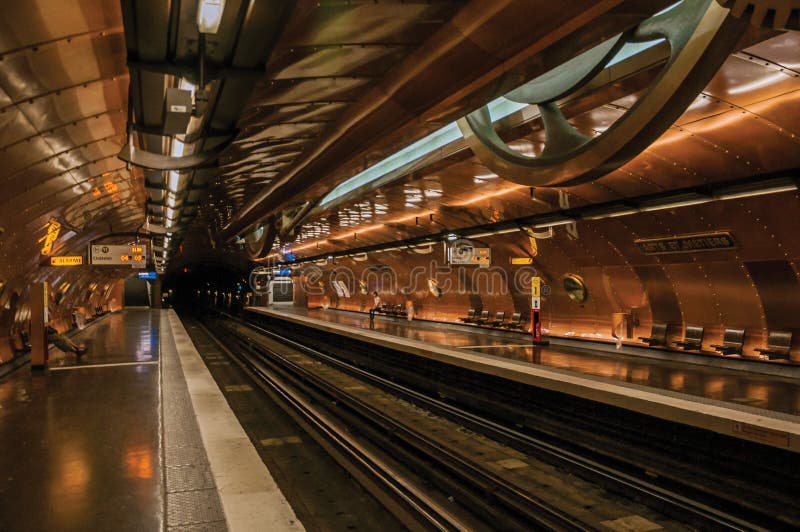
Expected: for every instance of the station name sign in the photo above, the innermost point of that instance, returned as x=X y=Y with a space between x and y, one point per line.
x=67 y=260
x=719 y=240
x=118 y=255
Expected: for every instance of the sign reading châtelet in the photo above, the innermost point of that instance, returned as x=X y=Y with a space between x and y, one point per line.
x=118 y=255
x=66 y=260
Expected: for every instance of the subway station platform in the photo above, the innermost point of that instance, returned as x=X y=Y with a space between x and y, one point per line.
x=754 y=406
x=134 y=436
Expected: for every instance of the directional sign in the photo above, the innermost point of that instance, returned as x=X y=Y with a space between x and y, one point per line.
x=149 y=276
x=66 y=260
x=118 y=255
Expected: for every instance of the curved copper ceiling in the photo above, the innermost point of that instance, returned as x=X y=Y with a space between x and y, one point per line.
x=63 y=93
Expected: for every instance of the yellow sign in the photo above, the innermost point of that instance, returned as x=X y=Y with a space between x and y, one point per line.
x=521 y=260
x=53 y=230
x=536 y=286
x=534 y=247
x=66 y=260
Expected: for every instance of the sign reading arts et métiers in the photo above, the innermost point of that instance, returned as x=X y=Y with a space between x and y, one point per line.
x=686 y=243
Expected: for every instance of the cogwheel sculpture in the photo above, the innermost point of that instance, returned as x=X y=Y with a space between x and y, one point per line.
x=700 y=35
x=777 y=14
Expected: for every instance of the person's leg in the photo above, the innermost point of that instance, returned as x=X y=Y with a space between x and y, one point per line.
x=63 y=344
x=372 y=313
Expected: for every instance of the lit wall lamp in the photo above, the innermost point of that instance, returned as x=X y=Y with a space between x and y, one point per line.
x=209 y=15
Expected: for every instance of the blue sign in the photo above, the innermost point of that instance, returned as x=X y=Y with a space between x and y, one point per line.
x=150 y=276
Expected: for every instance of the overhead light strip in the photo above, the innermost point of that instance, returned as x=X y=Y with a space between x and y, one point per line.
x=677 y=199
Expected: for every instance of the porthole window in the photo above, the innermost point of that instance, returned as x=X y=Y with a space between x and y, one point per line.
x=575 y=288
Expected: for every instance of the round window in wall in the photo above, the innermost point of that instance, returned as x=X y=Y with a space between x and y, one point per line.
x=434 y=288
x=575 y=288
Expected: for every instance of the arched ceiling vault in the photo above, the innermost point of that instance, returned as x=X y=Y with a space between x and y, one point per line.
x=304 y=94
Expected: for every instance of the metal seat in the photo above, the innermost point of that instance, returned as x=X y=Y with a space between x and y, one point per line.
x=498 y=320
x=692 y=339
x=658 y=335
x=483 y=318
x=732 y=342
x=779 y=343
x=515 y=322
x=469 y=317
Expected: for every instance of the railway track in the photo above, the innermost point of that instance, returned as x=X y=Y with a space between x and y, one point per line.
x=478 y=491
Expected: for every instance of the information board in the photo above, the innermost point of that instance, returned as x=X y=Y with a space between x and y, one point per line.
x=134 y=256
x=468 y=255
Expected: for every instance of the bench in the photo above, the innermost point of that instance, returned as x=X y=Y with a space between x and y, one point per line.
x=20 y=343
x=778 y=345
x=516 y=321
x=658 y=335
x=484 y=317
x=469 y=317
x=396 y=311
x=499 y=318
x=732 y=342
x=692 y=339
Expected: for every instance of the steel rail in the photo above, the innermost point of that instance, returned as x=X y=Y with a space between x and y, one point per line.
x=528 y=509
x=392 y=479
x=658 y=496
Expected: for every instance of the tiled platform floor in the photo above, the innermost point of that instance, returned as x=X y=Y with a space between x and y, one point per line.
x=82 y=445
x=779 y=394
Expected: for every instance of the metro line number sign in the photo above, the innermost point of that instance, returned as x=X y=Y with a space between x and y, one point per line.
x=118 y=255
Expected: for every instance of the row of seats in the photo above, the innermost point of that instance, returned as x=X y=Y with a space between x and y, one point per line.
x=778 y=342
x=483 y=320
x=397 y=311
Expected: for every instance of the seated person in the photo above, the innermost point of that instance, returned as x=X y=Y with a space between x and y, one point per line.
x=376 y=305
x=64 y=343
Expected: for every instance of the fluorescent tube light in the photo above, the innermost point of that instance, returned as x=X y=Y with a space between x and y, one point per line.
x=209 y=15
x=173 y=181
x=563 y=220
x=611 y=212
x=674 y=203
x=774 y=187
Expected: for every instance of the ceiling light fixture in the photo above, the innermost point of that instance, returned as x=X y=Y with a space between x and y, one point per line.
x=209 y=15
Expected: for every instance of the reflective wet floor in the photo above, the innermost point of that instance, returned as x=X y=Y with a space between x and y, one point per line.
x=779 y=394
x=79 y=444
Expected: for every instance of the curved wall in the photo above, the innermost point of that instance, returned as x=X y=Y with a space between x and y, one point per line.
x=755 y=286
